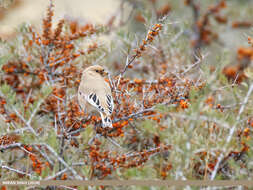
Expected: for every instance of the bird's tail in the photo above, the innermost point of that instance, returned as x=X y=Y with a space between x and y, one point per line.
x=106 y=120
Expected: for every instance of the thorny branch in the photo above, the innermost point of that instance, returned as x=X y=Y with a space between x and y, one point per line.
x=231 y=131
x=135 y=115
x=22 y=118
x=20 y=145
x=200 y=24
x=10 y=146
x=62 y=161
x=63 y=171
x=153 y=32
x=199 y=60
x=15 y=170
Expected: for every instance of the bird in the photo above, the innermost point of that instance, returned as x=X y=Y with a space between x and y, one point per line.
x=94 y=93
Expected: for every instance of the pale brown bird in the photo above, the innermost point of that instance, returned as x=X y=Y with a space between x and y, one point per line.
x=94 y=93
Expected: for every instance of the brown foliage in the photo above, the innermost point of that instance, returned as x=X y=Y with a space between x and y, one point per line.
x=164 y=10
x=9 y=139
x=242 y=24
x=203 y=33
x=235 y=72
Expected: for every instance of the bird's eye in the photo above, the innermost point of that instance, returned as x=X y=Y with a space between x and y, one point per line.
x=97 y=71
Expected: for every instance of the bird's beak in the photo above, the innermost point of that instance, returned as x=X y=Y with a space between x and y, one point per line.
x=105 y=73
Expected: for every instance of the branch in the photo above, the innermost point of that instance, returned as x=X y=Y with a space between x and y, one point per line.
x=23 y=119
x=199 y=60
x=147 y=151
x=63 y=171
x=62 y=161
x=127 y=64
x=34 y=111
x=15 y=170
x=151 y=34
x=231 y=132
x=133 y=115
x=57 y=174
x=44 y=155
x=10 y=146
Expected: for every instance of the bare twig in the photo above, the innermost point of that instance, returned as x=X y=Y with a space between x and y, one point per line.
x=201 y=118
x=21 y=130
x=44 y=155
x=231 y=132
x=15 y=170
x=114 y=143
x=10 y=146
x=134 y=115
x=63 y=171
x=147 y=151
x=57 y=174
x=23 y=119
x=62 y=161
x=199 y=60
x=138 y=114
x=35 y=111
x=127 y=64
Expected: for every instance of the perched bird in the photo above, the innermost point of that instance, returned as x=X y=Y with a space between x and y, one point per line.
x=94 y=93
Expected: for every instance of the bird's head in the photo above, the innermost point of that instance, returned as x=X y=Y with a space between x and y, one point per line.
x=96 y=70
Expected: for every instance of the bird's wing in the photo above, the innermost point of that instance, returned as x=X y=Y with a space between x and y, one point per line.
x=103 y=103
x=94 y=100
x=109 y=103
x=98 y=94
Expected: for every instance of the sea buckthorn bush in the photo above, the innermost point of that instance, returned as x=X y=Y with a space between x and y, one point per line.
x=183 y=104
